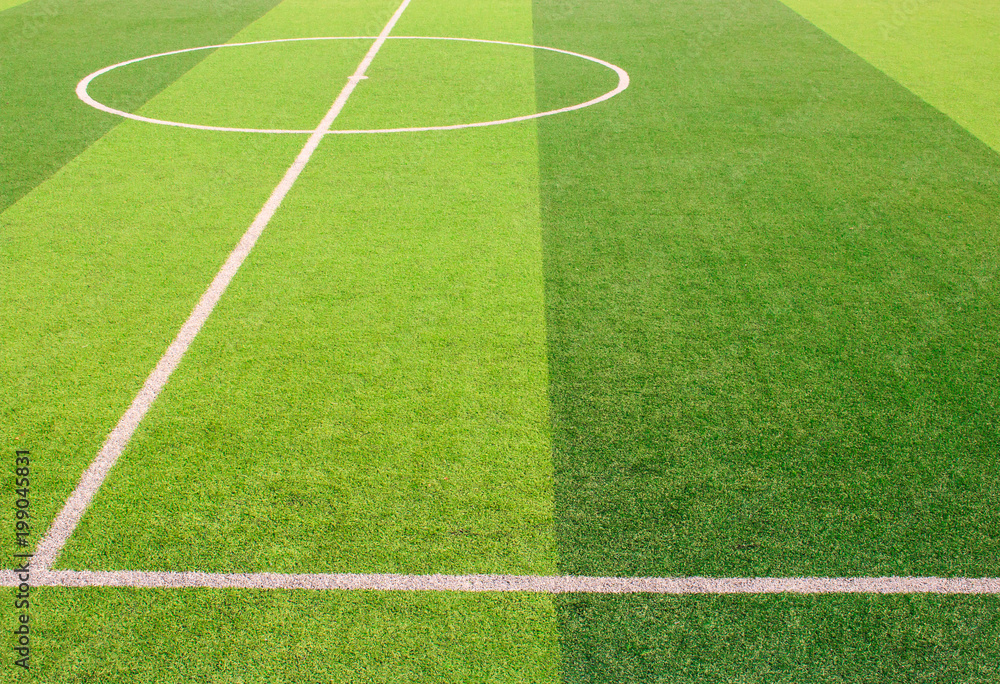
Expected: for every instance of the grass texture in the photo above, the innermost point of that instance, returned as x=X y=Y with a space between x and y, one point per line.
x=739 y=320
x=771 y=293
x=47 y=46
x=772 y=297
x=7 y=4
x=780 y=639
x=247 y=86
x=945 y=52
x=371 y=394
x=122 y=636
x=95 y=290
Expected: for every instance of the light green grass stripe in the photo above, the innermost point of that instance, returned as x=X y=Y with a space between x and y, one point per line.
x=376 y=374
x=128 y=636
x=250 y=87
x=7 y=4
x=106 y=260
x=99 y=267
x=945 y=51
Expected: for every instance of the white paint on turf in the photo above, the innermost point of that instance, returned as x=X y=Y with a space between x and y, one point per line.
x=512 y=583
x=623 y=83
x=67 y=520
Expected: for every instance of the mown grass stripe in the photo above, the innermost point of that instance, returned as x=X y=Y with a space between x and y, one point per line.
x=772 y=300
x=945 y=52
x=280 y=637
x=807 y=639
x=65 y=523
x=372 y=389
x=7 y=4
x=47 y=46
x=477 y=271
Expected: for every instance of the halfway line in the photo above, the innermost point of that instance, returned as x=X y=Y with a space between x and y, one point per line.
x=69 y=517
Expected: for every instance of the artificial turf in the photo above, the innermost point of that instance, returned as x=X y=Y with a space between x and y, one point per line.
x=101 y=266
x=771 y=296
x=733 y=639
x=247 y=86
x=945 y=52
x=764 y=326
x=47 y=46
x=771 y=300
x=372 y=394
x=7 y=4
x=133 y=636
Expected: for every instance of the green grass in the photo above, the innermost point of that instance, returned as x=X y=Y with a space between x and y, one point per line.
x=772 y=296
x=98 y=288
x=247 y=87
x=785 y=638
x=737 y=321
x=7 y=4
x=945 y=52
x=47 y=46
x=131 y=636
x=371 y=395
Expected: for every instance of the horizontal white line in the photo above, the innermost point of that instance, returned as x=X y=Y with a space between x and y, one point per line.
x=510 y=583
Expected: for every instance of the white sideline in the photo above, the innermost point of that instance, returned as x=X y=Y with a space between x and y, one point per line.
x=510 y=583
x=65 y=523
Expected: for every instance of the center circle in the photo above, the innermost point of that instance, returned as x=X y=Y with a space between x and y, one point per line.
x=81 y=88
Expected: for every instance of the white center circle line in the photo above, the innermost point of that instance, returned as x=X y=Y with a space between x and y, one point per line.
x=83 y=85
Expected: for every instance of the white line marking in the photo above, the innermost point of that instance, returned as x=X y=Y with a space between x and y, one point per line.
x=67 y=520
x=512 y=583
x=623 y=83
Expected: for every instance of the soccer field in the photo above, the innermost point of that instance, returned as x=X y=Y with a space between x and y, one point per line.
x=500 y=341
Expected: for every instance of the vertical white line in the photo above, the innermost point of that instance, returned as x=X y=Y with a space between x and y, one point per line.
x=69 y=517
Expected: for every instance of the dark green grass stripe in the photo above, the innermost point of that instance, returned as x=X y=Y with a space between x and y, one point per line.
x=772 y=305
x=769 y=639
x=47 y=46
